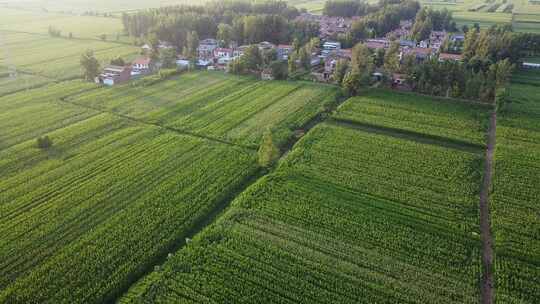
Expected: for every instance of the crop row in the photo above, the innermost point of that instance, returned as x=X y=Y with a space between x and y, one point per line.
x=210 y=104
x=25 y=115
x=348 y=217
x=413 y=113
x=103 y=205
x=515 y=211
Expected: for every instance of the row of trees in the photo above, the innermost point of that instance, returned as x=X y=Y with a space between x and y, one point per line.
x=428 y=20
x=383 y=20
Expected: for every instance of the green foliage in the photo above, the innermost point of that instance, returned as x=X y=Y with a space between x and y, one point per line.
x=90 y=65
x=44 y=142
x=268 y=152
x=118 y=61
x=279 y=70
x=167 y=57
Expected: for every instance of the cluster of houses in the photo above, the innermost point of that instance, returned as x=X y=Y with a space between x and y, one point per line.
x=212 y=56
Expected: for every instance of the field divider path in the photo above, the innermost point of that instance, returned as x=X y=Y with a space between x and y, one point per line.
x=485 y=220
x=410 y=135
x=171 y=129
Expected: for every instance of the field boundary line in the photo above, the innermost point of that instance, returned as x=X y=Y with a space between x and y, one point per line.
x=171 y=129
x=410 y=135
x=485 y=219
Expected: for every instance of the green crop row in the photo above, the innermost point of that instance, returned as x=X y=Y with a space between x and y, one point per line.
x=515 y=209
x=410 y=112
x=237 y=109
x=348 y=217
x=82 y=220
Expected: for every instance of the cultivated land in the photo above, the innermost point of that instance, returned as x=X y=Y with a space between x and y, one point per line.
x=41 y=59
x=217 y=105
x=515 y=208
x=113 y=184
x=349 y=217
x=460 y=122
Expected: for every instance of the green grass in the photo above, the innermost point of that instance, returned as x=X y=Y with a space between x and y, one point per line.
x=454 y=121
x=36 y=22
x=25 y=115
x=46 y=59
x=515 y=208
x=213 y=104
x=349 y=217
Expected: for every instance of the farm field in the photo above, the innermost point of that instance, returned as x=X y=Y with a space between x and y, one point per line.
x=114 y=183
x=347 y=218
x=38 y=57
x=216 y=105
x=439 y=118
x=515 y=208
x=38 y=22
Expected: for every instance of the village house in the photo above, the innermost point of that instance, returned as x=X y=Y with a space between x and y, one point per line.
x=206 y=48
x=113 y=74
x=239 y=51
x=531 y=65
x=331 y=60
x=378 y=43
x=140 y=66
x=283 y=51
x=449 y=57
x=266 y=74
x=266 y=46
x=399 y=80
x=223 y=53
x=328 y=26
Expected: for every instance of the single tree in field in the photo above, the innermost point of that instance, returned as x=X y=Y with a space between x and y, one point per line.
x=279 y=69
x=268 y=152
x=44 y=142
x=90 y=65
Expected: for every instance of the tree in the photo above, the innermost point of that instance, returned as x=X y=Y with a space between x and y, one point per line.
x=502 y=100
x=305 y=58
x=44 y=142
x=362 y=61
x=340 y=71
x=118 y=61
x=190 y=50
x=351 y=83
x=501 y=72
x=252 y=58
x=279 y=69
x=292 y=63
x=90 y=65
x=70 y=36
x=225 y=33
x=167 y=57
x=391 y=58
x=103 y=37
x=469 y=45
x=268 y=152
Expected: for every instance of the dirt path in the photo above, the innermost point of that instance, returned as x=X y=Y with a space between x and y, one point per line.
x=485 y=222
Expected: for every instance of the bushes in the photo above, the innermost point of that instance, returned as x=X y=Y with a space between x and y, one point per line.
x=44 y=142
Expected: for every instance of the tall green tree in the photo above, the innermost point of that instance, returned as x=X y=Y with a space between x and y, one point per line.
x=90 y=65
x=225 y=34
x=167 y=57
x=391 y=58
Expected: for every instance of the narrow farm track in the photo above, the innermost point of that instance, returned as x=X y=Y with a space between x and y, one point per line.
x=485 y=222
